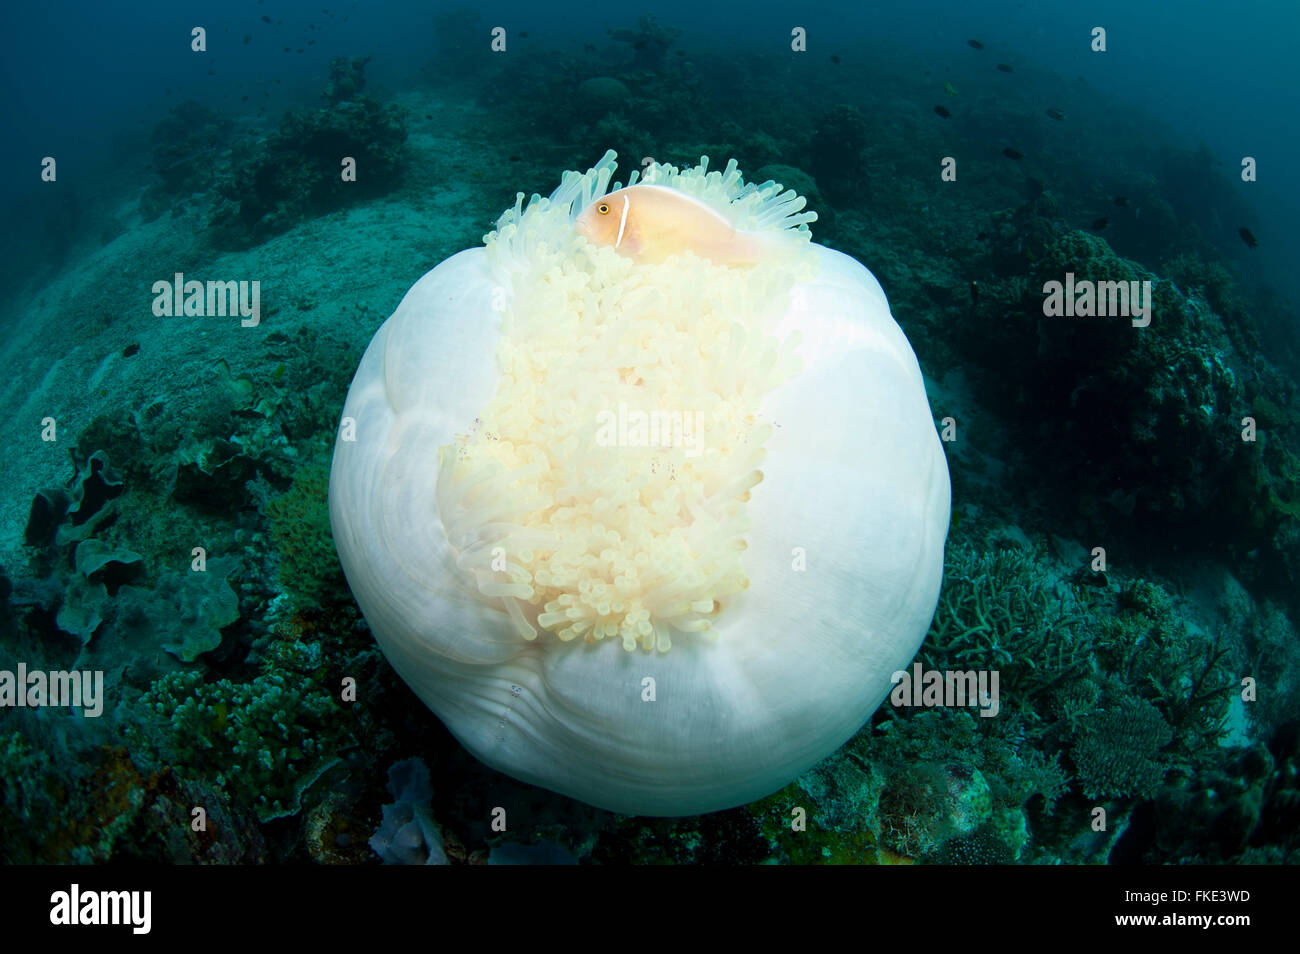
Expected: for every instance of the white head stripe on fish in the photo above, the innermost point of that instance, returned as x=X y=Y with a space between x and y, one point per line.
x=622 y=224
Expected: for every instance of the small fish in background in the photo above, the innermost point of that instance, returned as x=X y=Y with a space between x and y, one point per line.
x=248 y=38
x=265 y=18
x=975 y=44
x=524 y=34
x=942 y=111
x=950 y=89
x=835 y=60
x=1056 y=114
x=1248 y=237
x=1004 y=68
x=130 y=351
x=1100 y=224
x=1013 y=153
x=1121 y=201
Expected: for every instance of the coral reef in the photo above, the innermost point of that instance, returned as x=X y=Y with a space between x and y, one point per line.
x=1118 y=752
x=1146 y=422
x=295 y=172
x=265 y=742
x=108 y=810
x=931 y=803
x=347 y=79
x=300 y=527
x=998 y=610
x=186 y=145
x=650 y=43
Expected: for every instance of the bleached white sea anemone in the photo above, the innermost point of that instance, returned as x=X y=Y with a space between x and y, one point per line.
x=642 y=528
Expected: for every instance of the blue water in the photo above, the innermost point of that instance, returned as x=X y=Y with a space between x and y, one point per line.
x=79 y=79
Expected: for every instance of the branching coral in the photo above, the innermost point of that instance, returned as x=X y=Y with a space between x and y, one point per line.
x=1119 y=751
x=1181 y=670
x=998 y=609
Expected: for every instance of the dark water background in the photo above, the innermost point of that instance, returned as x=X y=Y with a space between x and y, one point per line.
x=84 y=81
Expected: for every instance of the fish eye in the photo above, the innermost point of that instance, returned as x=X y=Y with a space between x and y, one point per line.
x=603 y=208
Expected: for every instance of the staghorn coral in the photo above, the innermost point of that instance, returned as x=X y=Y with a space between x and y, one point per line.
x=1000 y=609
